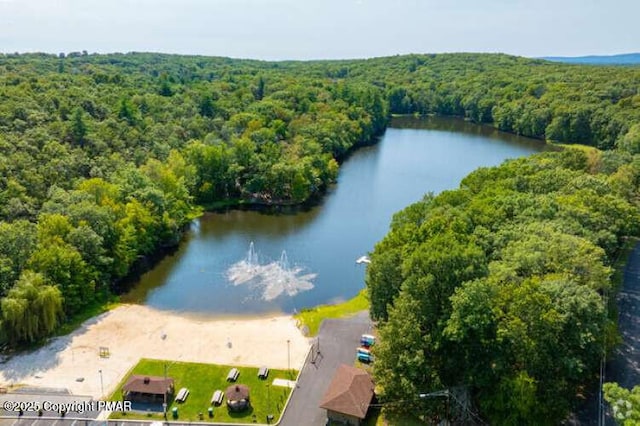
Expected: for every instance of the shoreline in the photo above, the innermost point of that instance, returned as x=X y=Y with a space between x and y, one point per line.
x=127 y=284
x=131 y=332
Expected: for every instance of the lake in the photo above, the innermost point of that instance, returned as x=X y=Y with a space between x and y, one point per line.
x=232 y=263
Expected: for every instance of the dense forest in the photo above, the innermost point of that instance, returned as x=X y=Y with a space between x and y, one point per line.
x=501 y=286
x=104 y=159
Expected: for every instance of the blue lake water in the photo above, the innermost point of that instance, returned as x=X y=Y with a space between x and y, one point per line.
x=212 y=273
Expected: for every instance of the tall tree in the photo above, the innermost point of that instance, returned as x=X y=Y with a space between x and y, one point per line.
x=78 y=129
x=31 y=310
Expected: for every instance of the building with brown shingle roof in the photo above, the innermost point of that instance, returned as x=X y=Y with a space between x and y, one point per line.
x=349 y=395
x=147 y=388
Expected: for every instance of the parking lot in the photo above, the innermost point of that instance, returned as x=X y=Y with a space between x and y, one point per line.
x=42 y=407
x=339 y=339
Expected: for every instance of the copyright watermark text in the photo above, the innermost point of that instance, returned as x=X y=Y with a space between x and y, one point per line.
x=79 y=407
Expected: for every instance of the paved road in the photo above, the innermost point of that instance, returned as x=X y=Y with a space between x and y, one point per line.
x=624 y=366
x=338 y=339
x=91 y=422
x=50 y=422
x=51 y=402
x=80 y=422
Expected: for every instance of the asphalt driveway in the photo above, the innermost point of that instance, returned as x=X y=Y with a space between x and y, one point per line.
x=338 y=340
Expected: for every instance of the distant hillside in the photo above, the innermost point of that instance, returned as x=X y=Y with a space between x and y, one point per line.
x=623 y=59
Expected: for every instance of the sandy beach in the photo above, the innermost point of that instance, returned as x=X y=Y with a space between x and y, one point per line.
x=132 y=332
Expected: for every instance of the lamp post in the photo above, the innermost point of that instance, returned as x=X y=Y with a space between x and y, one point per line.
x=269 y=415
x=101 y=384
x=163 y=336
x=164 y=394
x=288 y=355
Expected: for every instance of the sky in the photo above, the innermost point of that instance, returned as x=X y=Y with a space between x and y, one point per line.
x=321 y=29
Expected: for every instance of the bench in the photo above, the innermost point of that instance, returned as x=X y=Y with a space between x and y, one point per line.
x=233 y=375
x=217 y=397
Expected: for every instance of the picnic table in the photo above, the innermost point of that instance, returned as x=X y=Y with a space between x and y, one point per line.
x=233 y=375
x=263 y=373
x=217 y=397
x=182 y=395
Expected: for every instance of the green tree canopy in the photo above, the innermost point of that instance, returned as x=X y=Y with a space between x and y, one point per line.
x=31 y=310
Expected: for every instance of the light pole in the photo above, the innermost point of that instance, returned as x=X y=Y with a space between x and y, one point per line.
x=269 y=415
x=163 y=336
x=288 y=355
x=101 y=385
x=164 y=394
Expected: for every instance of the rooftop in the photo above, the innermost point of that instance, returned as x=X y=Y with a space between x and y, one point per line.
x=237 y=392
x=350 y=392
x=148 y=384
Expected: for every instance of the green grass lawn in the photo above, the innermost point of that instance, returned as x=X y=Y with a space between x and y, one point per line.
x=202 y=380
x=313 y=317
